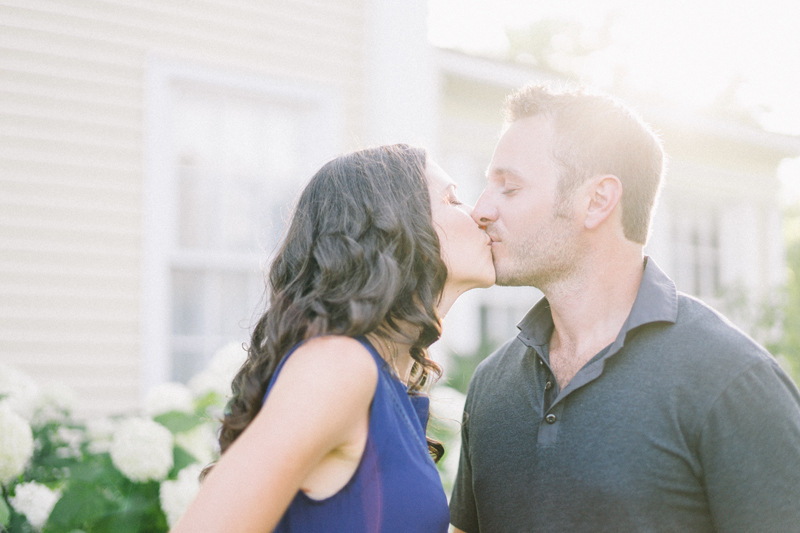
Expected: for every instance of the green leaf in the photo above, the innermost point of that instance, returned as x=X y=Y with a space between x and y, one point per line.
x=204 y=402
x=181 y=459
x=140 y=511
x=89 y=471
x=19 y=524
x=178 y=422
x=80 y=505
x=5 y=513
x=123 y=523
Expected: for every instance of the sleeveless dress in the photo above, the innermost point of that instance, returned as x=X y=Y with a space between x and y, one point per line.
x=396 y=487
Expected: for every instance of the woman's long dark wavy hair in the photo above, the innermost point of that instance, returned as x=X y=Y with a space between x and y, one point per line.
x=360 y=256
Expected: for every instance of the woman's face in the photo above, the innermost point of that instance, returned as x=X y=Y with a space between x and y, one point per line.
x=466 y=249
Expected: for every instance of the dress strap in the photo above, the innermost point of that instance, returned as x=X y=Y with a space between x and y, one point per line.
x=391 y=386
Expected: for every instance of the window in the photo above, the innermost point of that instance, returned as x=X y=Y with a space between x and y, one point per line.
x=697 y=255
x=228 y=160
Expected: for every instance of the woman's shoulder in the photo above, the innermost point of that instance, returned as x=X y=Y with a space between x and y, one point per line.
x=335 y=357
x=330 y=377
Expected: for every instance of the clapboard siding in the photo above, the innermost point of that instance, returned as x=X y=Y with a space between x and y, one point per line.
x=252 y=33
x=72 y=77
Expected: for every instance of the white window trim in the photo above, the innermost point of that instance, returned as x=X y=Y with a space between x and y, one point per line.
x=158 y=199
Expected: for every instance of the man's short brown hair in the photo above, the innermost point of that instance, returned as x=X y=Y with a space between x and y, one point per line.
x=596 y=134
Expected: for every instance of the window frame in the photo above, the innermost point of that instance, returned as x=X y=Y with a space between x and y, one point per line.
x=163 y=79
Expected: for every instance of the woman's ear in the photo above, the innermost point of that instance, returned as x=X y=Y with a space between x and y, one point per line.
x=604 y=194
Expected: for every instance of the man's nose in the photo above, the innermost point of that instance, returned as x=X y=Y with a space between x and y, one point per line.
x=484 y=211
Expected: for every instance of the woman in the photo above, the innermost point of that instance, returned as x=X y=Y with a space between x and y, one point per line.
x=322 y=434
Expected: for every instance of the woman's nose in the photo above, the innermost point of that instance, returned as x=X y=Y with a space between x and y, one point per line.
x=483 y=213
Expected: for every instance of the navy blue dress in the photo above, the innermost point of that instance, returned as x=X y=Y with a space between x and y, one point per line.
x=396 y=487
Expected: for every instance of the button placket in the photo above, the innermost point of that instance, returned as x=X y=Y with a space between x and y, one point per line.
x=548 y=427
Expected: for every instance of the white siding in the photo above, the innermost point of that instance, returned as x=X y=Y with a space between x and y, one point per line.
x=71 y=159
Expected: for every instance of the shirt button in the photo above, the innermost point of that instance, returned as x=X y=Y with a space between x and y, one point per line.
x=548 y=385
x=551 y=418
x=541 y=361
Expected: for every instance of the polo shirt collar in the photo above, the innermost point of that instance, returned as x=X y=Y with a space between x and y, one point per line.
x=656 y=301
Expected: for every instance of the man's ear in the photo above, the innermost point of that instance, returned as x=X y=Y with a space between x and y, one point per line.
x=604 y=193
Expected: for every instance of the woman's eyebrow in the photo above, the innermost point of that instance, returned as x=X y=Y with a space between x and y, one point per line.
x=449 y=186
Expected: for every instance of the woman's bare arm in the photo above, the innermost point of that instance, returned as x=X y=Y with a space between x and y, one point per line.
x=319 y=403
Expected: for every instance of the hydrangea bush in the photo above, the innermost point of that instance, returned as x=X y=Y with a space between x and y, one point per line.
x=123 y=474
x=135 y=473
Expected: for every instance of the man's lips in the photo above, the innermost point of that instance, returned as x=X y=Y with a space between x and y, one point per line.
x=491 y=240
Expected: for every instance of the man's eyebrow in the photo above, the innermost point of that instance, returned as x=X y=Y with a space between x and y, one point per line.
x=502 y=172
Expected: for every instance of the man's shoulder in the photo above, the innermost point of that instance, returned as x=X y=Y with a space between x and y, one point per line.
x=704 y=343
x=702 y=325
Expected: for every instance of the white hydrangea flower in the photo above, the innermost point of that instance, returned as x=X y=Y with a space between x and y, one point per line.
x=206 y=382
x=228 y=360
x=142 y=449
x=54 y=403
x=35 y=501
x=100 y=432
x=20 y=391
x=221 y=370
x=71 y=440
x=166 y=397
x=201 y=442
x=16 y=444
x=175 y=496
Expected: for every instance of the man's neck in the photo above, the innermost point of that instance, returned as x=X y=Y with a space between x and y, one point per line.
x=590 y=309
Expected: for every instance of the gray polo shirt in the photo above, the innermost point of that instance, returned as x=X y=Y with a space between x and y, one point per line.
x=682 y=424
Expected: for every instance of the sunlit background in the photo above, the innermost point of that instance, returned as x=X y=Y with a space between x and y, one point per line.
x=694 y=53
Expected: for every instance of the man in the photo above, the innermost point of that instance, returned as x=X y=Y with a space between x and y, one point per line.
x=622 y=405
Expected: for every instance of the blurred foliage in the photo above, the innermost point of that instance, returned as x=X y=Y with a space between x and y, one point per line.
x=728 y=106
x=789 y=344
x=97 y=497
x=128 y=473
x=464 y=365
x=566 y=48
x=556 y=45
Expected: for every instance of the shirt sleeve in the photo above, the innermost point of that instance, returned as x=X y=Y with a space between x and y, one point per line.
x=463 y=511
x=749 y=448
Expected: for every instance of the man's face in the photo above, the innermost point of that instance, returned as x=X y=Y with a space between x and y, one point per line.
x=535 y=239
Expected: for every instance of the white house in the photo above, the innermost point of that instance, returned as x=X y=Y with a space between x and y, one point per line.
x=150 y=152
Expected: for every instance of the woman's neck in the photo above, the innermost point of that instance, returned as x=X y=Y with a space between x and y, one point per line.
x=450 y=294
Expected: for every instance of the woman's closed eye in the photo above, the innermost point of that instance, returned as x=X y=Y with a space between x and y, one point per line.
x=450 y=197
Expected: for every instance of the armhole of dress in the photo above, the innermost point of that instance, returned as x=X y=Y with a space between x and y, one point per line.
x=278 y=371
x=368 y=442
